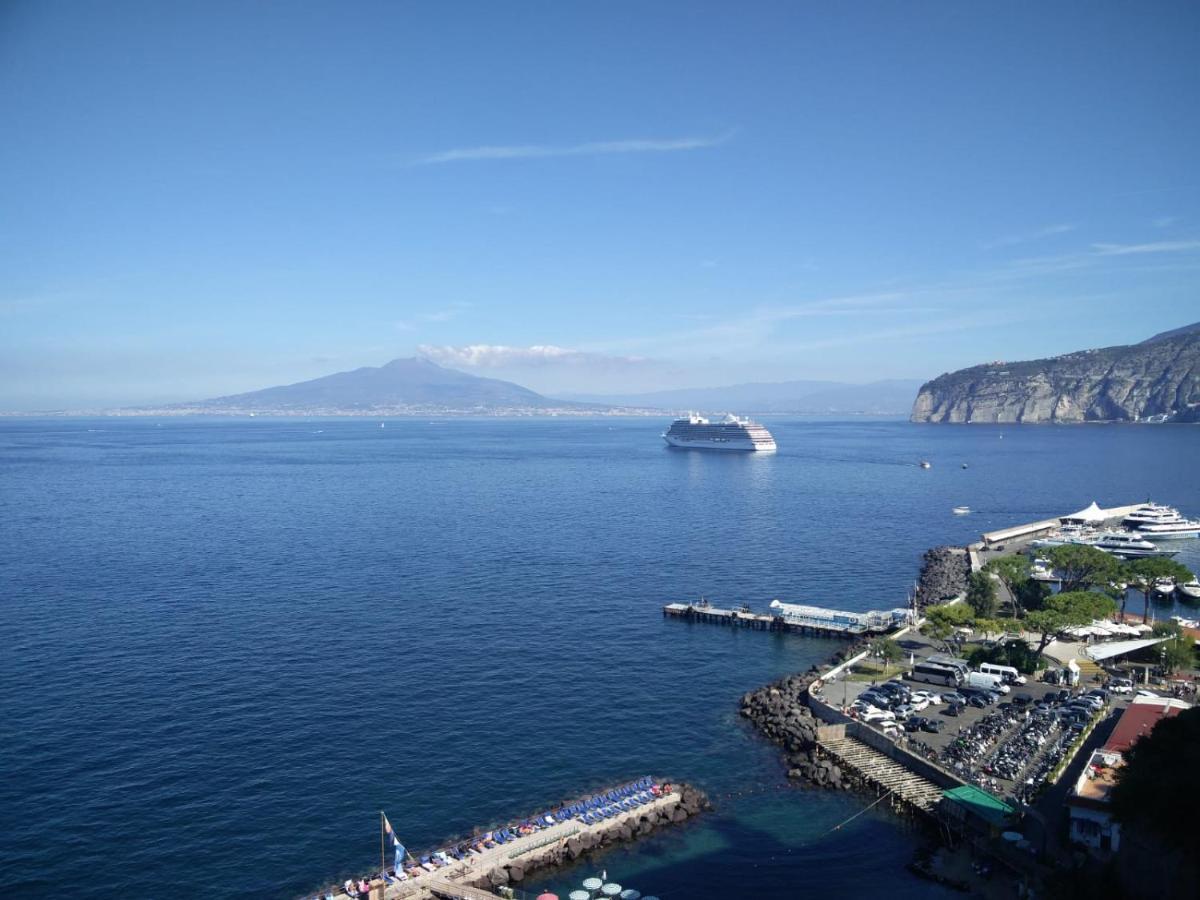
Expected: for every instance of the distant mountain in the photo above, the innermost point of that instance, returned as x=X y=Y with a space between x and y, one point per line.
x=879 y=397
x=403 y=385
x=1156 y=379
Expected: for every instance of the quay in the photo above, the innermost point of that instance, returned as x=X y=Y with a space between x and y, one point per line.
x=813 y=620
x=485 y=873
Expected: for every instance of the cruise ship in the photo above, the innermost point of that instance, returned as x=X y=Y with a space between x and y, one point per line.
x=733 y=433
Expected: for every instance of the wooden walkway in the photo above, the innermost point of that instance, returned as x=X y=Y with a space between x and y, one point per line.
x=885 y=774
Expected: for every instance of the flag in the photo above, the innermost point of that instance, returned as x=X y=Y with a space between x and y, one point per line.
x=401 y=851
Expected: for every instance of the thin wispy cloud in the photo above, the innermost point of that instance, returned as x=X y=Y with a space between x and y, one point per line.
x=1155 y=247
x=1025 y=237
x=591 y=148
x=500 y=356
x=1165 y=221
x=432 y=317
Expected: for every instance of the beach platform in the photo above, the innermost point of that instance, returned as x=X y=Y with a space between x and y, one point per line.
x=460 y=879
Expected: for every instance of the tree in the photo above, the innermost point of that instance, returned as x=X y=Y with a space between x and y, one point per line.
x=1157 y=789
x=1065 y=611
x=981 y=594
x=1031 y=594
x=1013 y=572
x=940 y=621
x=1142 y=573
x=1179 y=652
x=1083 y=567
x=887 y=650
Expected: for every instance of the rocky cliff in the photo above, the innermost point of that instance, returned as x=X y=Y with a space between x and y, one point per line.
x=1158 y=379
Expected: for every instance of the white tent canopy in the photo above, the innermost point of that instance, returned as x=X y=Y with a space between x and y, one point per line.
x=1092 y=515
x=1101 y=652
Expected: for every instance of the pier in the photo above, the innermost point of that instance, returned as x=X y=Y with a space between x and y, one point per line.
x=905 y=789
x=813 y=620
x=482 y=871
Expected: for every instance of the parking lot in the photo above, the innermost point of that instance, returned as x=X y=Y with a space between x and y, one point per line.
x=1008 y=746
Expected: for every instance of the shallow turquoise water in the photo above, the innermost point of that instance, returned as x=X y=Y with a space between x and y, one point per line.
x=229 y=644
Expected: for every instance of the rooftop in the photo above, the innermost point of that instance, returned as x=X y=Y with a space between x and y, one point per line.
x=1140 y=718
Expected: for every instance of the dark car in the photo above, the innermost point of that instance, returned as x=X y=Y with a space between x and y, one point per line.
x=1005 y=705
x=1022 y=699
x=955 y=709
x=914 y=723
x=933 y=726
x=1060 y=696
x=976 y=701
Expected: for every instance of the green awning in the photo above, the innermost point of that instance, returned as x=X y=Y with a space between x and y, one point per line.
x=979 y=802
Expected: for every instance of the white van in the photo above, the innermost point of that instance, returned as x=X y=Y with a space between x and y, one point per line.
x=1007 y=673
x=984 y=682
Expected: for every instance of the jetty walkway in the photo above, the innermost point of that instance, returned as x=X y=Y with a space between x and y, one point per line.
x=793 y=617
x=508 y=862
x=883 y=773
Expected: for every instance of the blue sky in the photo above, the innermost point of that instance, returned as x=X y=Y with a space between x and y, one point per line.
x=200 y=198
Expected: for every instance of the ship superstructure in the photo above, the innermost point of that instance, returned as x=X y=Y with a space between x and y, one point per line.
x=732 y=433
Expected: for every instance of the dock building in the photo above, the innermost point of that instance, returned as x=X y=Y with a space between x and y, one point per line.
x=1092 y=825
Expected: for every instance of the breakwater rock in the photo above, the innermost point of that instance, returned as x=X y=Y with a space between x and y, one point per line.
x=624 y=829
x=780 y=711
x=944 y=575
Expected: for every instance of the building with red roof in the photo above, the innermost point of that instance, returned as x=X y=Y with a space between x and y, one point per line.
x=1091 y=820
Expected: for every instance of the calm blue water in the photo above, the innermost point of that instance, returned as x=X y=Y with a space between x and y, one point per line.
x=227 y=645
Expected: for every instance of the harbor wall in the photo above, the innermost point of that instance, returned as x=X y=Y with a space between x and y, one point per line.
x=878 y=741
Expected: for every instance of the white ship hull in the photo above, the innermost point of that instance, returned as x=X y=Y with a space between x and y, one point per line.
x=720 y=444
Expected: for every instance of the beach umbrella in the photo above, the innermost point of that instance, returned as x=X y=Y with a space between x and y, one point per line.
x=547 y=896
x=592 y=884
x=579 y=895
x=631 y=894
x=611 y=889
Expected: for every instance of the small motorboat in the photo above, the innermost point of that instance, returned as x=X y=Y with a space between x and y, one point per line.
x=926 y=464
x=964 y=465
x=961 y=510
x=1190 y=589
x=1164 y=586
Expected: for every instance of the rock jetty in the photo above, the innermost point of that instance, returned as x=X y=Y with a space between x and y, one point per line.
x=597 y=838
x=780 y=711
x=944 y=575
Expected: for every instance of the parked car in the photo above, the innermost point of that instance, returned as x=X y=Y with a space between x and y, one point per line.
x=913 y=723
x=903 y=711
x=976 y=701
x=878 y=715
x=933 y=726
x=955 y=709
x=954 y=698
x=918 y=703
x=1022 y=699
x=1121 y=686
x=1142 y=692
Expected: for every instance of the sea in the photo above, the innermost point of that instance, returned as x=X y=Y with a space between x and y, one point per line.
x=229 y=644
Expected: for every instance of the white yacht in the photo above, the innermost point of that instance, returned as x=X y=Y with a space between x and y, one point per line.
x=1162 y=522
x=1067 y=534
x=1189 y=589
x=1127 y=544
x=732 y=433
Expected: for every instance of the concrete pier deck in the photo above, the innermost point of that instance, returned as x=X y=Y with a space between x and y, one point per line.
x=791 y=617
x=530 y=852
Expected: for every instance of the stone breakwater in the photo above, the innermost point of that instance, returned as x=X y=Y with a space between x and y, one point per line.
x=691 y=801
x=780 y=711
x=944 y=575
